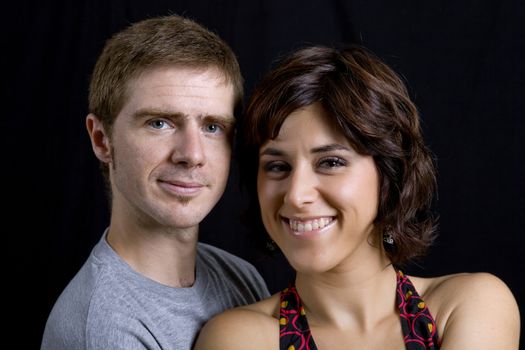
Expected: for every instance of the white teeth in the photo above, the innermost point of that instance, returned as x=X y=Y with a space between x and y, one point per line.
x=309 y=225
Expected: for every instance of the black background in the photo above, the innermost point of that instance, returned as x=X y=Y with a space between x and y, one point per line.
x=463 y=61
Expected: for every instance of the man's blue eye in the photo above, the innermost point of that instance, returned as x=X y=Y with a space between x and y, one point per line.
x=213 y=128
x=158 y=124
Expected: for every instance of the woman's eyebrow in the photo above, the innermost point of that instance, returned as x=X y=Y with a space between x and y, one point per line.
x=330 y=147
x=270 y=151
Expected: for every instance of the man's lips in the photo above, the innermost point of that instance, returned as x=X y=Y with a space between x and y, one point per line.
x=182 y=187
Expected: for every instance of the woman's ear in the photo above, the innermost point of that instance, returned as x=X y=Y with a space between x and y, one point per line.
x=100 y=140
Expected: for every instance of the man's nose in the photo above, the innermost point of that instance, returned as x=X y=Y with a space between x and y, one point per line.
x=189 y=148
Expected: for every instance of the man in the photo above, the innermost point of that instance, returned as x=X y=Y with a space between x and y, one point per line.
x=162 y=101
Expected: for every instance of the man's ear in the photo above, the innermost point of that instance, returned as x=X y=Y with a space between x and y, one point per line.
x=99 y=138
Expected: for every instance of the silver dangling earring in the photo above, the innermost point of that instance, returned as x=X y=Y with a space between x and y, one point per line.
x=388 y=238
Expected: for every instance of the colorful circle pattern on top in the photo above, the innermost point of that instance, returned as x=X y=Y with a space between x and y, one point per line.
x=417 y=324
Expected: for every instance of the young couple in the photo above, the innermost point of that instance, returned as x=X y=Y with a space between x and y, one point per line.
x=342 y=182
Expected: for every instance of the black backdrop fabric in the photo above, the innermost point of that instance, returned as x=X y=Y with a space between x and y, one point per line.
x=463 y=62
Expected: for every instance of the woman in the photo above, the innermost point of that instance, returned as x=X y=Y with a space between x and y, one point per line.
x=345 y=183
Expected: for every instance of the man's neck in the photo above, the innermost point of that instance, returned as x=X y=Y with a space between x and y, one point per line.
x=167 y=257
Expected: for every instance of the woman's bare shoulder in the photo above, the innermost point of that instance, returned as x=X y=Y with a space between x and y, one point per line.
x=472 y=310
x=462 y=287
x=251 y=326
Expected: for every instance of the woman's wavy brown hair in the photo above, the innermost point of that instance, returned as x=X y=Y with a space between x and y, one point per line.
x=370 y=104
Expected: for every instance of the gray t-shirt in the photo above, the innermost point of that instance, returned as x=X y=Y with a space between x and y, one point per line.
x=107 y=305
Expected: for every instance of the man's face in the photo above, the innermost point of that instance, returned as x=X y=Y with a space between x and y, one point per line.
x=171 y=147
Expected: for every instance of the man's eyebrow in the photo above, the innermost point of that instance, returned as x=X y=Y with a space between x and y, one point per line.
x=158 y=113
x=161 y=113
x=229 y=120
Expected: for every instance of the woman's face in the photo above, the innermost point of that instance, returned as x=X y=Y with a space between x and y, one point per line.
x=318 y=197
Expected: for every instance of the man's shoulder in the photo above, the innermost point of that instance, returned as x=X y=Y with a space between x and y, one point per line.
x=218 y=260
x=224 y=267
x=68 y=318
x=100 y=305
x=217 y=256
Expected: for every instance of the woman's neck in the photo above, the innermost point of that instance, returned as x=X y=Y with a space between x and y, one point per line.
x=356 y=295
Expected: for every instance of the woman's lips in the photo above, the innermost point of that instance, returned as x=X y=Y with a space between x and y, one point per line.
x=309 y=227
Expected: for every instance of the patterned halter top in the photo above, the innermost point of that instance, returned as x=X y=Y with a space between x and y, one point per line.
x=418 y=325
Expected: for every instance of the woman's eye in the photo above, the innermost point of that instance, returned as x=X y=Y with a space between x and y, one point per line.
x=332 y=162
x=276 y=167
